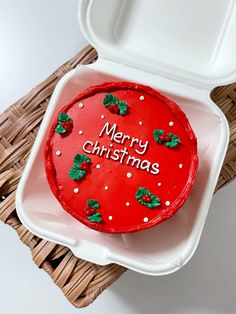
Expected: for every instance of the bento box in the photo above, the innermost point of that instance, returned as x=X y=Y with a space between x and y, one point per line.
x=183 y=49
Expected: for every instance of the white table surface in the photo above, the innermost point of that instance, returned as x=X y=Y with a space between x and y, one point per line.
x=35 y=38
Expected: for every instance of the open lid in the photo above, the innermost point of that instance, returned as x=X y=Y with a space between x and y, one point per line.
x=189 y=41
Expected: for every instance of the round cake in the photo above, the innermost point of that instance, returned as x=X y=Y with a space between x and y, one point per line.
x=121 y=157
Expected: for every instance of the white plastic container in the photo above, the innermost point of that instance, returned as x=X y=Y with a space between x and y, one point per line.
x=183 y=49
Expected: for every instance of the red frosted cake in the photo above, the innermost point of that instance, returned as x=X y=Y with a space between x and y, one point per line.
x=121 y=157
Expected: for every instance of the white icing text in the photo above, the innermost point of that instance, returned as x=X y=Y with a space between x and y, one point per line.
x=121 y=155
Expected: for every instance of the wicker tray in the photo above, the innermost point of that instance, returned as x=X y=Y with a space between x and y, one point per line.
x=80 y=281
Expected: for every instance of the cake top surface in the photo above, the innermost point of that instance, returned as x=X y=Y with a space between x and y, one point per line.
x=121 y=157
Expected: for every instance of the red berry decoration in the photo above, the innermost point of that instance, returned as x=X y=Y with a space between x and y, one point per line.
x=116 y=109
x=67 y=125
x=162 y=138
x=146 y=198
x=85 y=166
x=167 y=138
x=113 y=108
x=89 y=210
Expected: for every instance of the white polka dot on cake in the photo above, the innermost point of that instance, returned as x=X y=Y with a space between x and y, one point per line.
x=141 y=97
x=180 y=166
x=76 y=190
x=127 y=203
x=129 y=175
x=159 y=183
x=106 y=187
x=58 y=153
x=140 y=123
x=102 y=116
x=81 y=132
x=81 y=105
x=98 y=166
x=110 y=217
x=111 y=145
x=145 y=219
x=171 y=123
x=167 y=203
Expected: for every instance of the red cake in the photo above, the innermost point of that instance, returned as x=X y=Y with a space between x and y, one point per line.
x=121 y=157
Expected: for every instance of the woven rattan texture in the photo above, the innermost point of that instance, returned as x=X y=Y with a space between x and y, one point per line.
x=80 y=281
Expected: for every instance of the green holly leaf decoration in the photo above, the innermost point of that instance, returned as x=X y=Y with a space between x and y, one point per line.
x=96 y=217
x=75 y=172
x=167 y=139
x=93 y=204
x=79 y=158
x=64 y=123
x=123 y=107
x=59 y=129
x=63 y=117
x=175 y=140
x=109 y=100
x=144 y=192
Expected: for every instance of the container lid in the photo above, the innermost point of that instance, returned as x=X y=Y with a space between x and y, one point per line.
x=189 y=41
